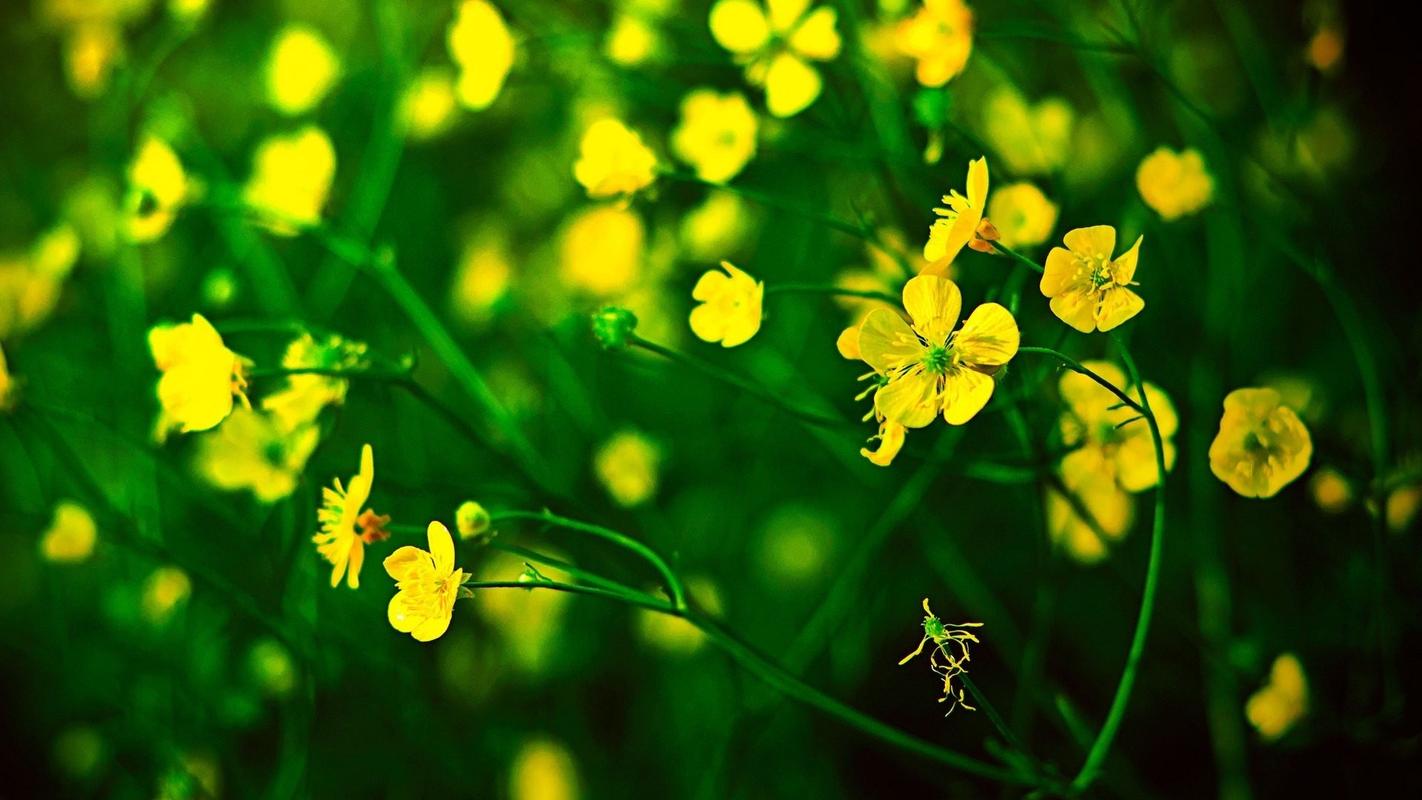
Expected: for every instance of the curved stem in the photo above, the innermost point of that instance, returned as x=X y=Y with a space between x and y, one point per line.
x=1076 y=366
x=829 y=289
x=1021 y=259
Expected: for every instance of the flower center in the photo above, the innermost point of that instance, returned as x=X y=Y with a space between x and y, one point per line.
x=938 y=358
x=1100 y=272
x=1254 y=444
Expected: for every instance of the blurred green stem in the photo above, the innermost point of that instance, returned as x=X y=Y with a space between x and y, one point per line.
x=1076 y=366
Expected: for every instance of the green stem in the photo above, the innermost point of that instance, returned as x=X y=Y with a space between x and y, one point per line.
x=1076 y=366
x=1021 y=259
x=829 y=289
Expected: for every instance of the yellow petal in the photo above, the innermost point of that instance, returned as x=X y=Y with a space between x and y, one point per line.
x=891 y=441
x=1077 y=309
x=739 y=26
x=430 y=629
x=1063 y=272
x=708 y=323
x=441 y=548
x=1163 y=409
x=710 y=284
x=933 y=303
x=357 y=558
x=848 y=343
x=965 y=392
x=398 y=612
x=407 y=562
x=1098 y=241
x=886 y=342
x=339 y=559
x=816 y=36
x=978 y=185
x=1123 y=269
x=1117 y=305
x=911 y=400
x=791 y=85
x=989 y=337
x=785 y=13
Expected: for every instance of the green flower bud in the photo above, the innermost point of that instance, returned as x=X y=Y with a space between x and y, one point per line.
x=612 y=326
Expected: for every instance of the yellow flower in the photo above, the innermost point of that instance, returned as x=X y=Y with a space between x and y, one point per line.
x=485 y=272
x=1331 y=491
x=200 y=376
x=626 y=465
x=428 y=104
x=164 y=590
x=1174 y=184
x=776 y=41
x=480 y=43
x=1024 y=217
x=1031 y=139
x=940 y=37
x=1401 y=506
x=301 y=68
x=70 y=537
x=9 y=391
x=471 y=520
x=158 y=187
x=1282 y=702
x=1262 y=445
x=601 y=250
x=428 y=584
x=253 y=451
x=301 y=401
x=716 y=134
x=30 y=283
x=958 y=223
x=930 y=369
x=1089 y=291
x=346 y=528
x=1108 y=509
x=631 y=40
x=543 y=770
x=730 y=306
x=613 y=161
x=291 y=176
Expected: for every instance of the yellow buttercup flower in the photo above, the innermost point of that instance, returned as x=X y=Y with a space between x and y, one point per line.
x=303 y=398
x=719 y=225
x=929 y=368
x=428 y=104
x=601 y=250
x=612 y=161
x=471 y=519
x=480 y=43
x=254 y=451
x=428 y=584
x=346 y=527
x=631 y=40
x=1090 y=291
x=70 y=537
x=730 y=306
x=716 y=134
x=1098 y=513
x=1174 y=184
x=1262 y=445
x=8 y=389
x=776 y=41
x=957 y=224
x=940 y=37
x=291 y=176
x=1030 y=139
x=301 y=69
x=165 y=589
x=158 y=188
x=30 y=283
x=1282 y=702
x=201 y=377
x=627 y=466
x=543 y=770
x=1023 y=216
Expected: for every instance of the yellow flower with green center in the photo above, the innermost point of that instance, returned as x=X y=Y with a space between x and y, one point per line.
x=730 y=308
x=612 y=160
x=1262 y=445
x=927 y=367
x=346 y=527
x=1022 y=214
x=1282 y=702
x=428 y=584
x=940 y=37
x=201 y=377
x=716 y=135
x=1174 y=184
x=1088 y=289
x=776 y=41
x=958 y=221
x=252 y=450
x=480 y=43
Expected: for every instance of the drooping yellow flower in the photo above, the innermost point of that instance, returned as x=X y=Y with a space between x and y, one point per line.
x=200 y=376
x=612 y=161
x=1282 y=702
x=428 y=104
x=716 y=134
x=776 y=41
x=1174 y=184
x=291 y=176
x=949 y=655
x=165 y=589
x=929 y=368
x=891 y=438
x=158 y=188
x=30 y=283
x=940 y=37
x=626 y=465
x=428 y=584
x=1089 y=291
x=601 y=250
x=347 y=527
x=70 y=537
x=1262 y=445
x=255 y=451
x=8 y=389
x=301 y=68
x=480 y=43
x=543 y=770
x=1032 y=139
x=471 y=519
x=958 y=222
x=305 y=395
x=730 y=306
x=1023 y=216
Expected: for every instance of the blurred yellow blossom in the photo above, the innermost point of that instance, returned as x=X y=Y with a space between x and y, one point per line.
x=1325 y=48
x=158 y=188
x=1030 y=139
x=1262 y=445
x=940 y=37
x=428 y=584
x=70 y=537
x=795 y=543
x=1282 y=702
x=485 y=272
x=1331 y=491
x=1108 y=510
x=428 y=104
x=253 y=451
x=347 y=527
x=776 y=40
x=30 y=282
x=200 y=376
x=1089 y=291
x=627 y=467
x=301 y=68
x=957 y=224
x=1174 y=184
x=612 y=160
x=188 y=10
x=716 y=227
x=601 y=250
x=530 y=624
x=1024 y=217
x=471 y=520
x=163 y=591
x=291 y=176
x=271 y=667
x=631 y=40
x=1401 y=506
x=481 y=45
x=543 y=770
x=9 y=389
x=674 y=635
x=729 y=309
x=305 y=395
x=92 y=33
x=716 y=135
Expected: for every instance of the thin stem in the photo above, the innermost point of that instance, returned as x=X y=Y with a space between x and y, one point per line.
x=1076 y=366
x=829 y=289
x=1021 y=259
x=991 y=711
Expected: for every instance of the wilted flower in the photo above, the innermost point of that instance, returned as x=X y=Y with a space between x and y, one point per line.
x=613 y=161
x=1262 y=445
x=940 y=37
x=950 y=654
x=730 y=306
x=716 y=134
x=1174 y=184
x=776 y=41
x=346 y=527
x=200 y=376
x=428 y=585
x=1088 y=290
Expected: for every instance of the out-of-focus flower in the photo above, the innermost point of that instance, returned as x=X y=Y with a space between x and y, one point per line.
x=291 y=176
x=30 y=282
x=795 y=544
x=1325 y=47
x=1089 y=291
x=601 y=250
x=1262 y=445
x=1174 y=184
x=957 y=224
x=428 y=583
x=530 y=624
x=1097 y=513
x=481 y=45
x=484 y=274
x=471 y=519
x=674 y=635
x=716 y=135
x=70 y=537
x=1331 y=491
x=939 y=36
x=303 y=398
x=543 y=770
x=158 y=188
x=716 y=227
x=189 y=11
x=428 y=104
x=301 y=69
x=632 y=39
x=79 y=752
x=92 y=33
x=201 y=377
x=1024 y=217
x=627 y=466
x=253 y=451
x=163 y=591
x=776 y=41
x=1401 y=506
x=1030 y=139
x=1282 y=702
x=729 y=309
x=271 y=667
x=612 y=160
x=195 y=776
x=347 y=527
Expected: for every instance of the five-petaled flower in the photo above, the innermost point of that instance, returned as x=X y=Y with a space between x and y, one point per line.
x=346 y=528
x=1262 y=445
x=957 y=224
x=775 y=42
x=940 y=37
x=201 y=377
x=1090 y=291
x=1174 y=184
x=730 y=306
x=428 y=584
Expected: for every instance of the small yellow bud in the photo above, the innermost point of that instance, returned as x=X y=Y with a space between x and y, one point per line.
x=471 y=519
